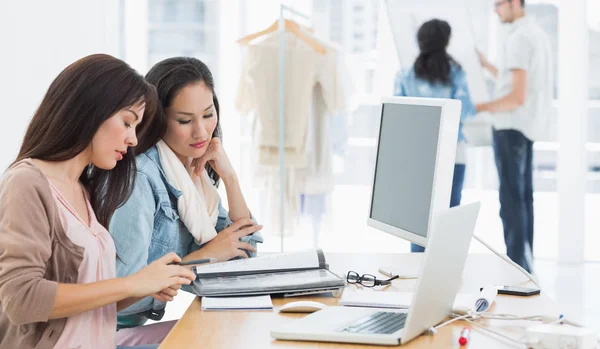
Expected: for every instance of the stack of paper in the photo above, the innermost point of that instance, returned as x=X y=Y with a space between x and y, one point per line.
x=397 y=300
x=237 y=303
x=283 y=273
x=376 y=299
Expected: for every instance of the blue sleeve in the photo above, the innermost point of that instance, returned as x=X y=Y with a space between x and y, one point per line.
x=398 y=85
x=131 y=228
x=460 y=91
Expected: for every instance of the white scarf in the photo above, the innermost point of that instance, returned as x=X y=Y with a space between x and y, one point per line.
x=198 y=207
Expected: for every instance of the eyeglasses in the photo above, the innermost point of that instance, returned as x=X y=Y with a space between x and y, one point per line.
x=367 y=280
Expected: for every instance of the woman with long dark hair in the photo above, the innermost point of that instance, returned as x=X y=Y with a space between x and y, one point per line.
x=58 y=285
x=436 y=74
x=175 y=206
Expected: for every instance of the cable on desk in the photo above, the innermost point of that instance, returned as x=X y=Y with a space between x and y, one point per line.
x=472 y=318
x=527 y=344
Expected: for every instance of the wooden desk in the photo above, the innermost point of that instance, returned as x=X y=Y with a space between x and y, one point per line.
x=236 y=329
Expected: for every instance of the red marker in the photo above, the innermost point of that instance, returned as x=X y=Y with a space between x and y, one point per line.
x=464 y=336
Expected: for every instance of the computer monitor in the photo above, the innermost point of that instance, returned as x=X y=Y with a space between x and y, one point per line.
x=414 y=165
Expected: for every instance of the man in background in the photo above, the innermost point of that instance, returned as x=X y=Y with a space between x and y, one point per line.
x=521 y=115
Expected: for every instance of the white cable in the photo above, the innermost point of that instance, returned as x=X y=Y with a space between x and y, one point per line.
x=433 y=330
x=521 y=341
x=526 y=273
x=525 y=343
x=493 y=316
x=508 y=260
x=471 y=317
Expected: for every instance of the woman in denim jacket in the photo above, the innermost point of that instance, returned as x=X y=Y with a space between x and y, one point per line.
x=174 y=206
x=435 y=74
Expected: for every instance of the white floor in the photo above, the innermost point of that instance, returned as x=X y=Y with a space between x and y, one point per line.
x=574 y=288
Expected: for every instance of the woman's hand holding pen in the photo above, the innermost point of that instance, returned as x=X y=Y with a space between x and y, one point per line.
x=160 y=279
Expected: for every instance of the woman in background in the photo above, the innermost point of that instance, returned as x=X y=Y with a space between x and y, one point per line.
x=436 y=74
x=58 y=285
x=175 y=206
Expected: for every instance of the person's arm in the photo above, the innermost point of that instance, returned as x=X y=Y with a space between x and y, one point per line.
x=460 y=91
x=398 y=87
x=127 y=302
x=26 y=222
x=487 y=65
x=519 y=52
x=228 y=243
x=514 y=100
x=217 y=158
x=25 y=227
x=73 y=299
x=238 y=209
x=131 y=227
x=224 y=221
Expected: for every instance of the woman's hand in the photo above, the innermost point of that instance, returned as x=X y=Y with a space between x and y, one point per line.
x=161 y=279
x=227 y=244
x=168 y=294
x=217 y=158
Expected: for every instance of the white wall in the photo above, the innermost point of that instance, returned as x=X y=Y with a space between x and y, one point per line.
x=38 y=39
x=135 y=34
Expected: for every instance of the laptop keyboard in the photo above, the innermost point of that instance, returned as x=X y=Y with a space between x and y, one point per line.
x=380 y=322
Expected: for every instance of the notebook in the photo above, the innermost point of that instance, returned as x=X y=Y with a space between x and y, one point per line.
x=376 y=299
x=395 y=300
x=289 y=273
x=237 y=303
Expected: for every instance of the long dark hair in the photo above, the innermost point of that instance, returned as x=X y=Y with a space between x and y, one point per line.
x=170 y=76
x=79 y=100
x=434 y=63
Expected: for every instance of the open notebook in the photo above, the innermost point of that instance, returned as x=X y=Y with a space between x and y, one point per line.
x=290 y=273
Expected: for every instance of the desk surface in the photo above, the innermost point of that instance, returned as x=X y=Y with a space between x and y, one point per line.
x=239 y=329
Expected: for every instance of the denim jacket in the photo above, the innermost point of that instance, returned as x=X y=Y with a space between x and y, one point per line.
x=408 y=85
x=147 y=227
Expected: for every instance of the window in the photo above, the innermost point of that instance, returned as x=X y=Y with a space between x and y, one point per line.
x=594 y=22
x=182 y=28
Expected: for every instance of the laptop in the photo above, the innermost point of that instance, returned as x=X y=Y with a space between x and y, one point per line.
x=438 y=283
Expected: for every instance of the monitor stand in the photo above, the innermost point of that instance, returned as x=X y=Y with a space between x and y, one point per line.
x=404 y=270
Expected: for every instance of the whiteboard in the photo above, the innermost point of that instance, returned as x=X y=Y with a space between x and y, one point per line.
x=406 y=16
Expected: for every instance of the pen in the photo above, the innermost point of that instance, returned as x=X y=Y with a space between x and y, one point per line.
x=464 y=336
x=195 y=262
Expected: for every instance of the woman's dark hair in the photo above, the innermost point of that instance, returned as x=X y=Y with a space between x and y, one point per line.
x=170 y=76
x=434 y=63
x=79 y=100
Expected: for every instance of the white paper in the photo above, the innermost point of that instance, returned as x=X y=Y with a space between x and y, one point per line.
x=395 y=300
x=280 y=261
x=237 y=303
x=376 y=299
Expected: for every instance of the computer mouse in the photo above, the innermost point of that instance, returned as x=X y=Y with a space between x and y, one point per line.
x=302 y=307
